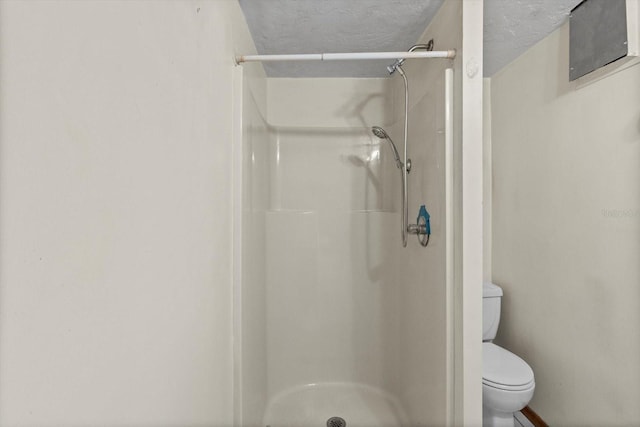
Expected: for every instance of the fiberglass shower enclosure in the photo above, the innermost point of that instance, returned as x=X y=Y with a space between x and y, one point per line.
x=335 y=322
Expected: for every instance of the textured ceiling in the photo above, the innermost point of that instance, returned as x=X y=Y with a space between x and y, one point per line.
x=317 y=26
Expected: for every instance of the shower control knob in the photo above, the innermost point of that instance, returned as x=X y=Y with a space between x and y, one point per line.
x=408 y=165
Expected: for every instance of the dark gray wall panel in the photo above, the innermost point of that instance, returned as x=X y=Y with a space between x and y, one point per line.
x=598 y=35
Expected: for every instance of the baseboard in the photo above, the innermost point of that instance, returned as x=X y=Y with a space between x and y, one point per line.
x=535 y=419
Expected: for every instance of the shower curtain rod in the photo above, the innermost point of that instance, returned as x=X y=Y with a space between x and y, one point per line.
x=450 y=54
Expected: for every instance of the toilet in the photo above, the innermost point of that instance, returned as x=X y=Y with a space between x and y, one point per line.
x=507 y=380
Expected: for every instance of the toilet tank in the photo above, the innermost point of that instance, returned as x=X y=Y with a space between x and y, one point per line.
x=491 y=298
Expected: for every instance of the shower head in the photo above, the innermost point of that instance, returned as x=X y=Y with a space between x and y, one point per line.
x=382 y=134
x=379 y=132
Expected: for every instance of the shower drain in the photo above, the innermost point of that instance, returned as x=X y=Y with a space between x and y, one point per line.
x=336 y=422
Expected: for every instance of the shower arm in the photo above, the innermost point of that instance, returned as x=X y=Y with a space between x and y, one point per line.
x=428 y=48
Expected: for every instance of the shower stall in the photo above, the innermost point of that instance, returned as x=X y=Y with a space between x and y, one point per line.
x=336 y=323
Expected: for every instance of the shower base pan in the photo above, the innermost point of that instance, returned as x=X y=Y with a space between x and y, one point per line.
x=334 y=405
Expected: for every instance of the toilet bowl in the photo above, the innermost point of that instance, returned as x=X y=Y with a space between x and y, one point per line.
x=507 y=385
x=507 y=380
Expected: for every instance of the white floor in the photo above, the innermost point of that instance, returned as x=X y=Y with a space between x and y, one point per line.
x=312 y=405
x=521 y=420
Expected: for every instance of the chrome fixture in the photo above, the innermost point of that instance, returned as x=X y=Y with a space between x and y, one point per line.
x=336 y=422
x=422 y=227
x=406 y=228
x=428 y=47
x=382 y=134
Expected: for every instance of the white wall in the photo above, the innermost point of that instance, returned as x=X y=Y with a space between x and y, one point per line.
x=318 y=285
x=458 y=25
x=566 y=210
x=344 y=302
x=487 y=183
x=115 y=212
x=418 y=367
x=334 y=194
x=252 y=201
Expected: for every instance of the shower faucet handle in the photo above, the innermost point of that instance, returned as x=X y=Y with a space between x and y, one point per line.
x=424 y=219
x=422 y=228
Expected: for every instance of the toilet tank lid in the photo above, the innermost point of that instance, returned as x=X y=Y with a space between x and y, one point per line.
x=490 y=290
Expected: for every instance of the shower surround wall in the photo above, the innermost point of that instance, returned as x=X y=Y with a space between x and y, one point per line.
x=421 y=372
x=334 y=300
x=251 y=170
x=330 y=231
x=321 y=207
x=337 y=319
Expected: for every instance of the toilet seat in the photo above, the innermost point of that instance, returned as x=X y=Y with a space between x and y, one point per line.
x=504 y=387
x=503 y=370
